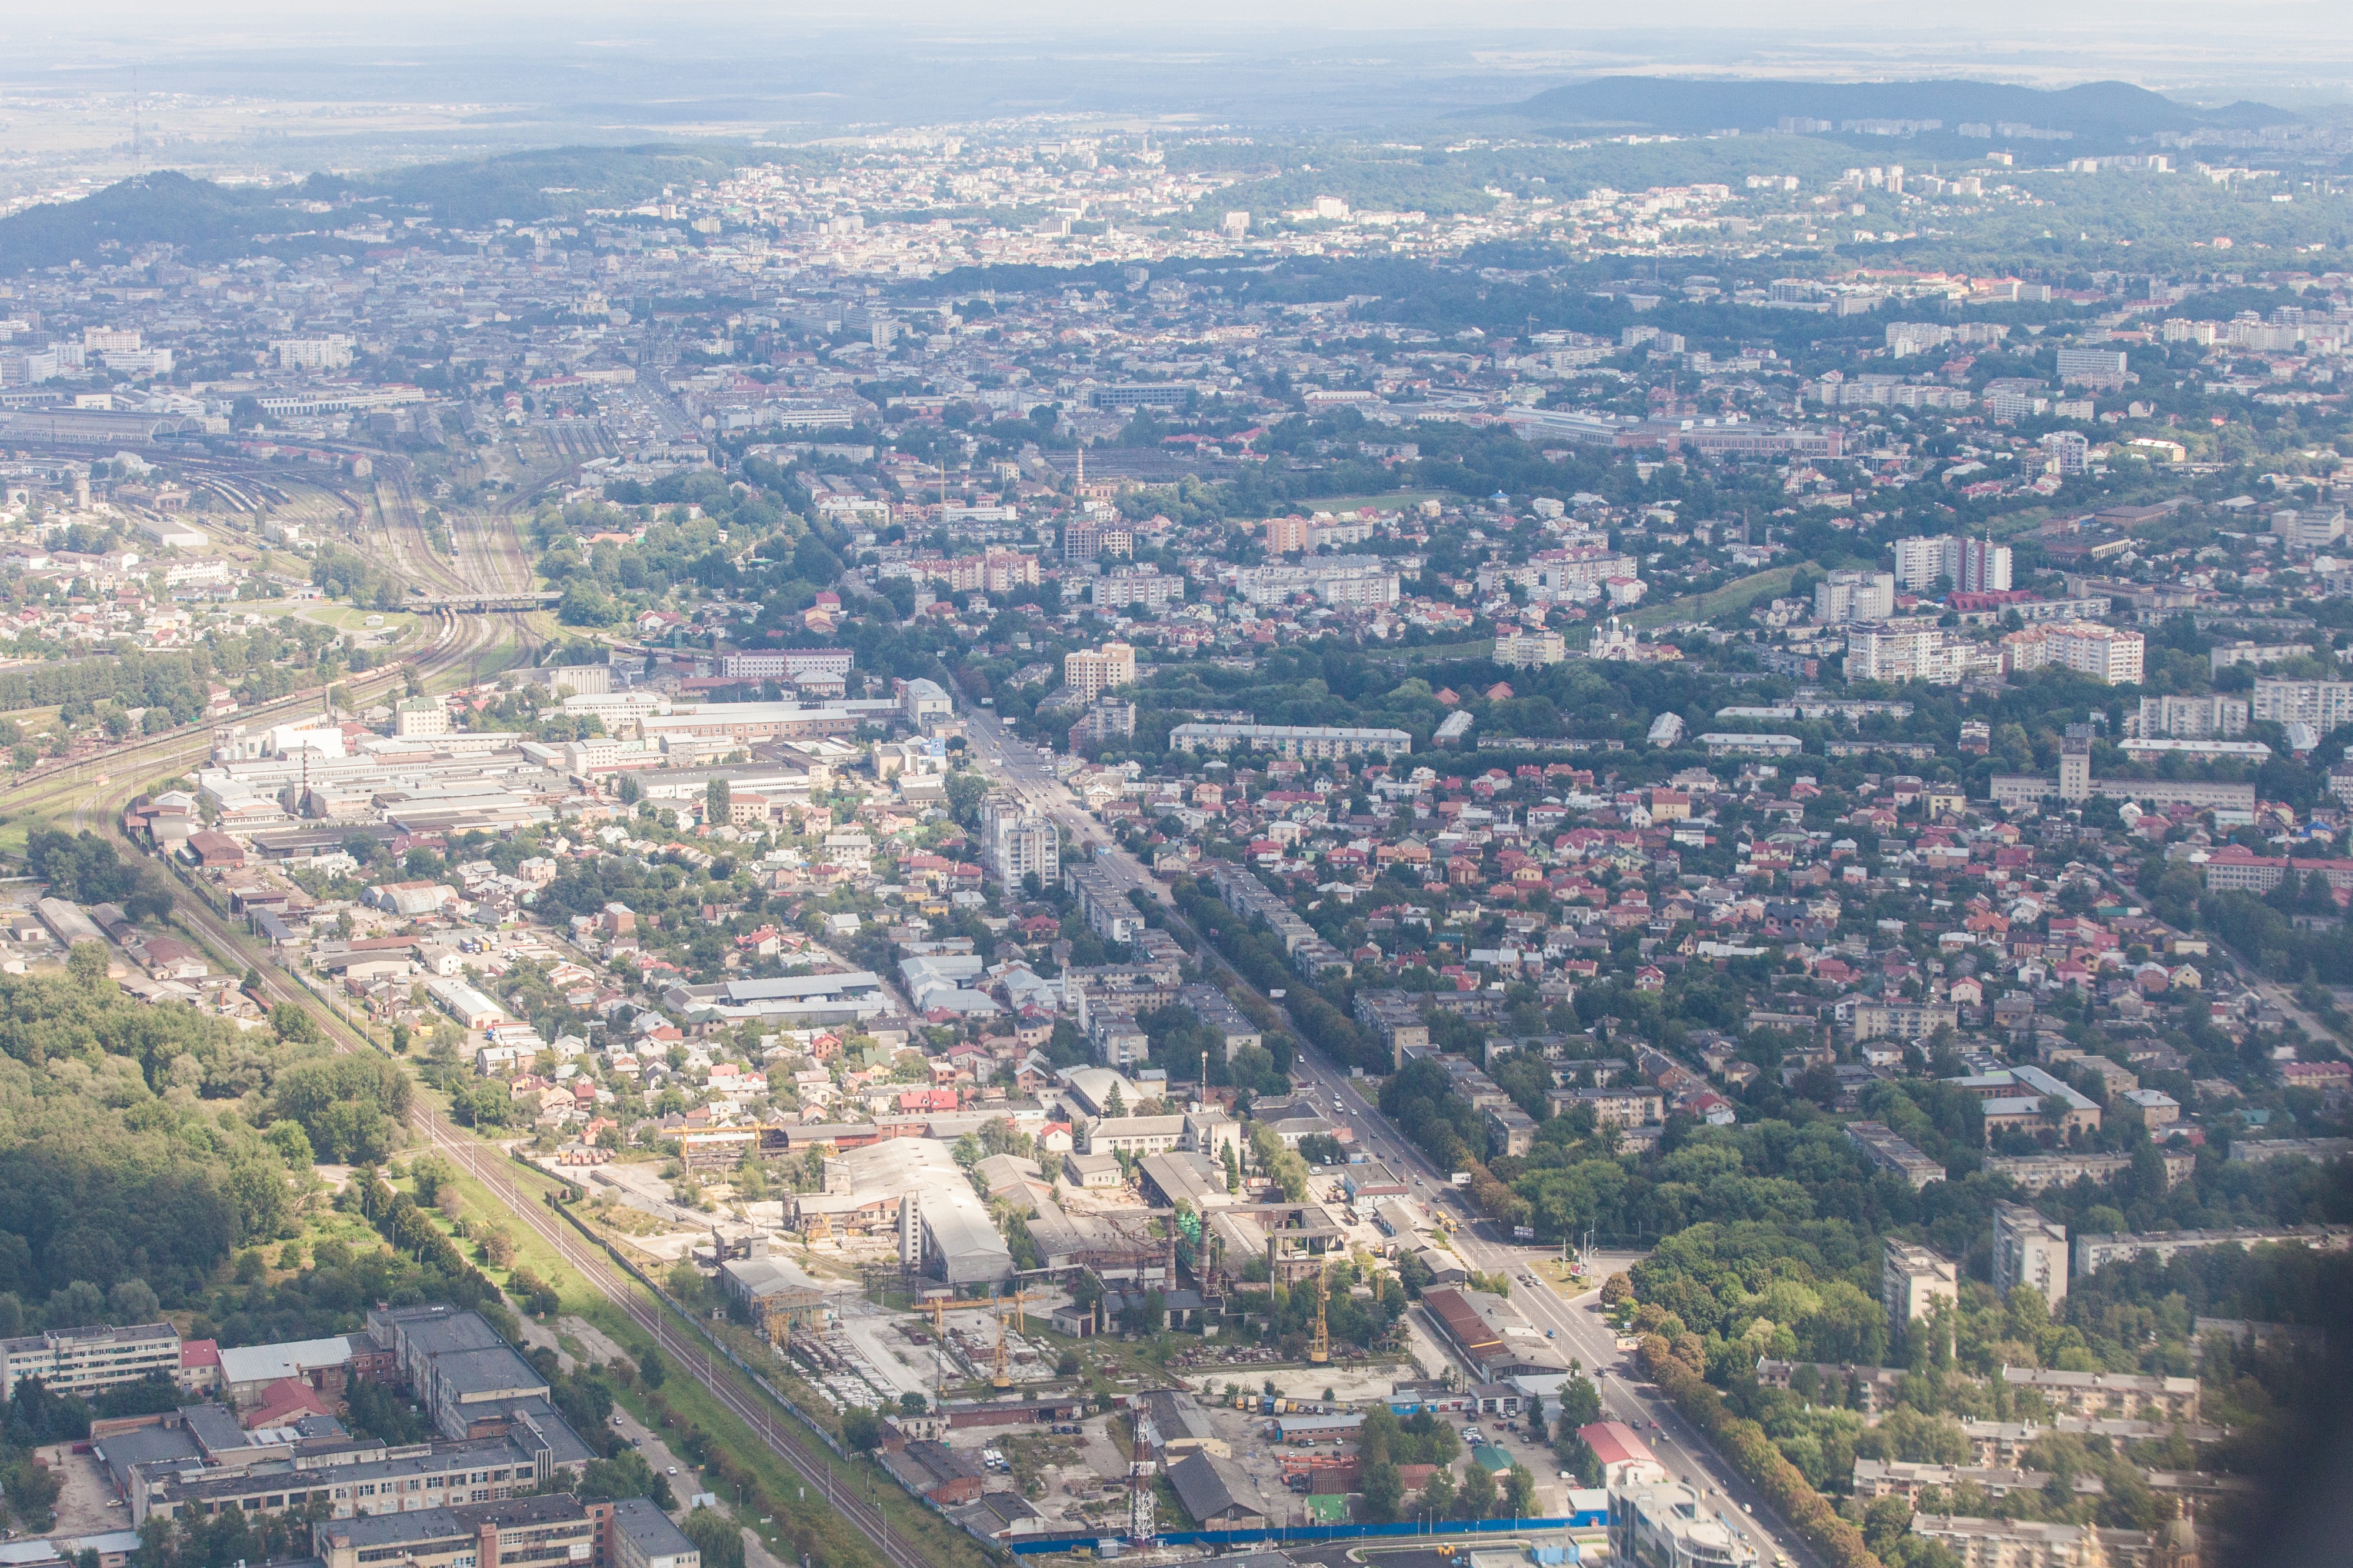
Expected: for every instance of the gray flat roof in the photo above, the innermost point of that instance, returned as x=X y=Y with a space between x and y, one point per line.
x=804 y=986
x=649 y=1528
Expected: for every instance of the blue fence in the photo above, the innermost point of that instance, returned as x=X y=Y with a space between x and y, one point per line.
x=1593 y=1518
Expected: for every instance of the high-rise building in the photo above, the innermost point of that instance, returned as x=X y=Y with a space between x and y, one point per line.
x=1912 y=1281
x=1972 y=565
x=1089 y=673
x=1920 y=561
x=2029 y=1250
x=1855 y=596
x=1985 y=566
x=1016 y=841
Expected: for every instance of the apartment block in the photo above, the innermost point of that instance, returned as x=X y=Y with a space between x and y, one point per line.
x=2213 y=718
x=1087 y=673
x=1016 y=842
x=1970 y=565
x=2323 y=704
x=1912 y=1281
x=1905 y=650
x=1854 y=596
x=2113 y=1394
x=2103 y=368
x=2095 y=1252
x=84 y=1360
x=2030 y=1251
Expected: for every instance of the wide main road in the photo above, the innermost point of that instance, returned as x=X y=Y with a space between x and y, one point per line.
x=1574 y=1323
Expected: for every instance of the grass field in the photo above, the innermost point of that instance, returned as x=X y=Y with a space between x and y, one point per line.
x=345 y=619
x=1389 y=502
x=1737 y=594
x=1439 y=652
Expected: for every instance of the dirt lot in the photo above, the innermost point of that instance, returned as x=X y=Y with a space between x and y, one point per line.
x=83 y=1498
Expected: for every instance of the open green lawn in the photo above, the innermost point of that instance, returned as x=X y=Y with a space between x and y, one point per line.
x=1391 y=502
x=1436 y=653
x=346 y=618
x=1737 y=594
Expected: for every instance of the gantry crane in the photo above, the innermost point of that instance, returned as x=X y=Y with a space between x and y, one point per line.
x=1016 y=1305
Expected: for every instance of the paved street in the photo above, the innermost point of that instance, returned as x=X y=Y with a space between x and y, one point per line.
x=1577 y=1324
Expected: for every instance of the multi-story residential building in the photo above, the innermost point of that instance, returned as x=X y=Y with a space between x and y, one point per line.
x=1904 y=1020
x=1087 y=673
x=2323 y=704
x=1854 y=596
x=2216 y=717
x=2115 y=1393
x=1894 y=1154
x=2095 y=1252
x=2025 y=1544
x=2029 y=1250
x=1016 y=843
x=1970 y=565
x=1569 y=574
x=1524 y=649
x=1344 y=582
x=1912 y=1281
x=1106 y=719
x=2104 y=653
x=1147 y=586
x=1905 y=650
x=2103 y=368
x=86 y=1360
x=329 y=353
x=1311 y=741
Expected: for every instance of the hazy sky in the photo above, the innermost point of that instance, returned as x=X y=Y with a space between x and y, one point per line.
x=918 y=61
x=128 y=22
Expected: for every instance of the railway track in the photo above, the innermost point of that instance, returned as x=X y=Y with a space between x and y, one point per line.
x=781 y=1431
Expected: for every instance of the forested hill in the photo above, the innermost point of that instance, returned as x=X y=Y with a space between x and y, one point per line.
x=213 y=222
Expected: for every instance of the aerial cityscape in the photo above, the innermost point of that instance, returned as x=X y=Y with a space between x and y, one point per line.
x=1313 y=790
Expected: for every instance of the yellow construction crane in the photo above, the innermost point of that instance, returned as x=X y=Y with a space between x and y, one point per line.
x=939 y=1307
x=1319 y=1349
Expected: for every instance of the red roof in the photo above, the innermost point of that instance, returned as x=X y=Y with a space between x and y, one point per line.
x=283 y=1401
x=1614 y=1443
x=194 y=1354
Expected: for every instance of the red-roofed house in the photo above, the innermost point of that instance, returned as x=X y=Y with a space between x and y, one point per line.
x=200 y=1368
x=283 y=1401
x=1625 y=1459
